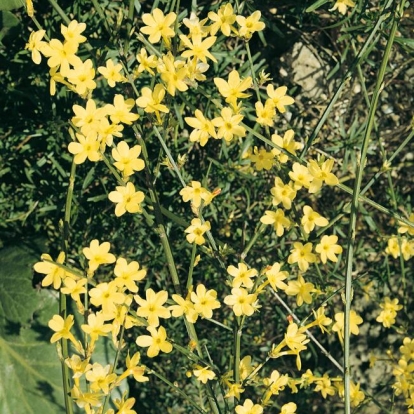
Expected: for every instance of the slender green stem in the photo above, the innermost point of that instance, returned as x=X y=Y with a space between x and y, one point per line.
x=62 y=297
x=131 y=10
x=190 y=270
x=355 y=207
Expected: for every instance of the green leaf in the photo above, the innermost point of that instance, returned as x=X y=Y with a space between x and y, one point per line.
x=316 y=5
x=7 y=21
x=11 y=4
x=405 y=42
x=30 y=371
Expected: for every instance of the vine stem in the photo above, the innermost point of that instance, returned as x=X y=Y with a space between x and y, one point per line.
x=62 y=297
x=355 y=206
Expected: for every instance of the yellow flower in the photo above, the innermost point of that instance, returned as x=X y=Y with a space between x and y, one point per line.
x=126 y=159
x=152 y=307
x=234 y=88
x=249 y=407
x=302 y=255
x=262 y=159
x=127 y=199
x=342 y=5
x=61 y=327
x=389 y=312
x=62 y=55
x=146 y=63
x=339 y=325
x=183 y=307
x=321 y=319
x=228 y=125
x=36 y=45
x=404 y=228
x=283 y=193
x=134 y=369
x=86 y=147
x=204 y=374
x=151 y=100
x=246 y=367
x=96 y=326
x=127 y=274
x=98 y=254
x=242 y=275
x=301 y=176
x=287 y=143
x=279 y=97
x=107 y=295
x=324 y=385
x=203 y=128
x=198 y=48
x=120 y=111
x=321 y=174
x=311 y=219
x=112 y=73
x=74 y=289
x=289 y=408
x=81 y=76
x=88 y=119
x=30 y=8
x=242 y=302
x=275 y=276
x=205 y=301
x=276 y=382
x=100 y=378
x=173 y=73
x=277 y=219
x=196 y=194
x=54 y=274
x=223 y=20
x=72 y=32
x=265 y=114
x=249 y=25
x=196 y=231
x=328 y=249
x=158 y=25
x=195 y=26
x=156 y=342
x=301 y=289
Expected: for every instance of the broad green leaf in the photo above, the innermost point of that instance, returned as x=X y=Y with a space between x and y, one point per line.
x=18 y=299
x=30 y=371
x=11 y=4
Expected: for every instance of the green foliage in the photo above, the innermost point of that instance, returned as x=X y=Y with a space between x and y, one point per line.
x=29 y=367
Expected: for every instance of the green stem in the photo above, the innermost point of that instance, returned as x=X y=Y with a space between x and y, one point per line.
x=62 y=297
x=355 y=205
x=190 y=270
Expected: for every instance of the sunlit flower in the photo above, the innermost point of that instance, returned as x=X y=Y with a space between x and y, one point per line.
x=339 y=325
x=158 y=25
x=249 y=25
x=126 y=158
x=234 y=88
x=242 y=302
x=302 y=255
x=112 y=72
x=87 y=147
x=152 y=307
x=195 y=232
x=279 y=97
x=205 y=301
x=98 y=254
x=156 y=343
x=328 y=249
x=242 y=275
x=223 y=20
x=342 y=5
x=277 y=219
x=301 y=289
x=311 y=219
x=228 y=125
x=36 y=45
x=127 y=199
x=204 y=374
